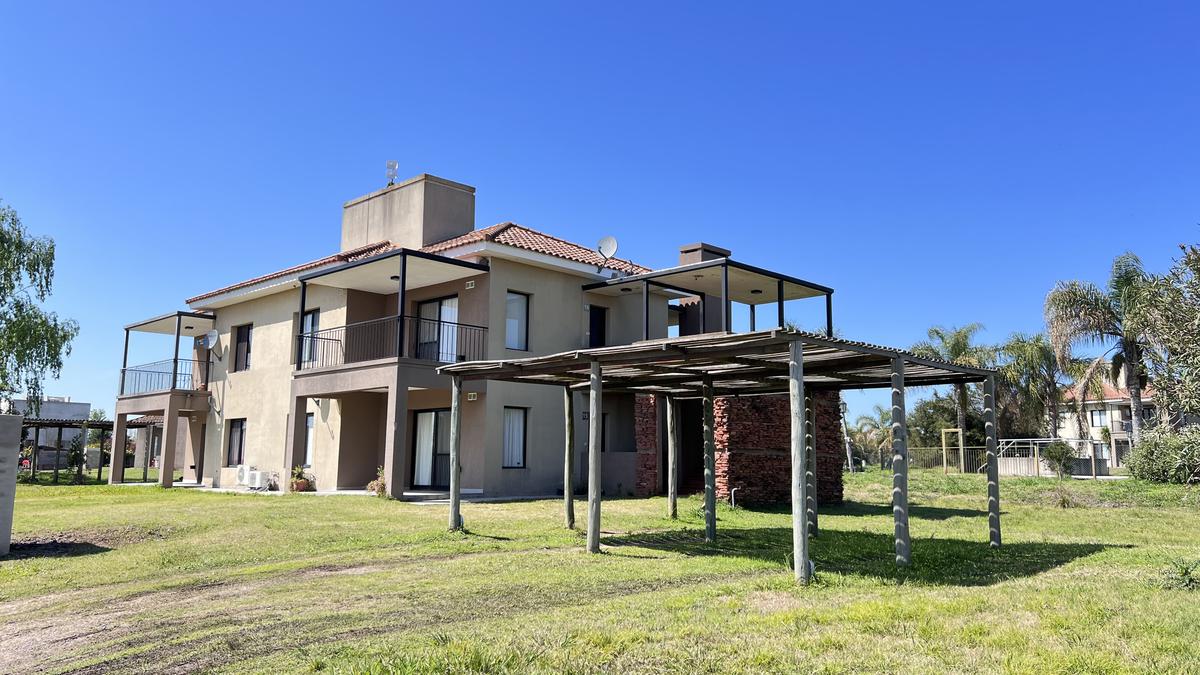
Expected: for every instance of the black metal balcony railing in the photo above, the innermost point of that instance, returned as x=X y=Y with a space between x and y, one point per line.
x=189 y=374
x=424 y=339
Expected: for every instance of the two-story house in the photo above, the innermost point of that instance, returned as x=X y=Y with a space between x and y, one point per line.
x=332 y=364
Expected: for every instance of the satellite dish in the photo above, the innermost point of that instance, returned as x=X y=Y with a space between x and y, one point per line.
x=607 y=247
x=210 y=339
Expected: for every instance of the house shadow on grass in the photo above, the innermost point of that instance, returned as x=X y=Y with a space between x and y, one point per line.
x=52 y=548
x=946 y=562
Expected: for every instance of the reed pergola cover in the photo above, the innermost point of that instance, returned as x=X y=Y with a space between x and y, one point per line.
x=724 y=364
x=744 y=363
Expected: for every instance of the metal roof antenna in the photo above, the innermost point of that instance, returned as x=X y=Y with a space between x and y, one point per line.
x=607 y=248
x=392 y=167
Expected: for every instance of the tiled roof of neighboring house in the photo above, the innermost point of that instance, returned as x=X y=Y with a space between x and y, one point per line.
x=343 y=257
x=519 y=236
x=147 y=420
x=510 y=234
x=1110 y=393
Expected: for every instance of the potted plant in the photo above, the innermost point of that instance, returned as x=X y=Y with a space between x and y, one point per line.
x=300 y=480
x=378 y=487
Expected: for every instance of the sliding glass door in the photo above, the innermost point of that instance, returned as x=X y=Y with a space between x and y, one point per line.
x=431 y=449
x=437 y=332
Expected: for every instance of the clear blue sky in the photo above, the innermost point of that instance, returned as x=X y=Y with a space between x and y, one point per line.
x=937 y=164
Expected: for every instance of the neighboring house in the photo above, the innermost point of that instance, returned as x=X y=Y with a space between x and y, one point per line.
x=1112 y=410
x=54 y=408
x=332 y=364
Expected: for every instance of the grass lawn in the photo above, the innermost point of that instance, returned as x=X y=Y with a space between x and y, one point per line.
x=136 y=578
x=68 y=476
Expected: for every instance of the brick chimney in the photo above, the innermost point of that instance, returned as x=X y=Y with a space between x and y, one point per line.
x=412 y=213
x=699 y=252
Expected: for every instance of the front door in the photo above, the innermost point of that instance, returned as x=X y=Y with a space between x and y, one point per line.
x=431 y=449
x=437 y=330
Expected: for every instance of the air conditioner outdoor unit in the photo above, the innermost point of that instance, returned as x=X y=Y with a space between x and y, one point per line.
x=257 y=480
x=243 y=474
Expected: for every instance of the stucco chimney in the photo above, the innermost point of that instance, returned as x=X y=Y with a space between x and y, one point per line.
x=412 y=213
x=699 y=252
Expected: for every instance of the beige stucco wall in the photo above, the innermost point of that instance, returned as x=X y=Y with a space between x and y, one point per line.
x=349 y=431
x=260 y=394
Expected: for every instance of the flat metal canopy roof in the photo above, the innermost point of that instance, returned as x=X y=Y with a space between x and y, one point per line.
x=747 y=284
x=191 y=324
x=744 y=363
x=380 y=274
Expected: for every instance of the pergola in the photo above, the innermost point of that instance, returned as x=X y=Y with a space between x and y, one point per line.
x=723 y=364
x=40 y=423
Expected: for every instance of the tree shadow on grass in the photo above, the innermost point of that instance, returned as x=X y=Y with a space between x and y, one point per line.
x=852 y=508
x=52 y=548
x=947 y=562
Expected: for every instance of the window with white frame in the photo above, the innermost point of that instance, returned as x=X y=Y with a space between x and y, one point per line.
x=514 y=437
x=516 y=321
x=310 y=427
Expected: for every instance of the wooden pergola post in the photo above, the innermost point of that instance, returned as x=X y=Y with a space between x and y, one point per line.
x=568 y=458
x=456 y=522
x=993 y=464
x=710 y=463
x=100 y=459
x=595 y=417
x=800 y=563
x=672 y=459
x=57 y=452
x=900 y=465
x=810 y=467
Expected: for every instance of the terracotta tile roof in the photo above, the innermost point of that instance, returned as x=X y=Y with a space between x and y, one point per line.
x=147 y=420
x=510 y=234
x=343 y=257
x=1111 y=393
x=519 y=236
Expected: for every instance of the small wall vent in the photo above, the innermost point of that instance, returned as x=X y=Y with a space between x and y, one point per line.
x=472 y=396
x=470 y=285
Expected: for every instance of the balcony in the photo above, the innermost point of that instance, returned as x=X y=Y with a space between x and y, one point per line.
x=172 y=374
x=430 y=340
x=165 y=375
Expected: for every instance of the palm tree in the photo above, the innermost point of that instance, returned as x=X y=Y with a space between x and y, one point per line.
x=954 y=345
x=874 y=432
x=1082 y=312
x=1036 y=375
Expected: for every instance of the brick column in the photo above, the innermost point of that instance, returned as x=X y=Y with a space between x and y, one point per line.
x=645 y=413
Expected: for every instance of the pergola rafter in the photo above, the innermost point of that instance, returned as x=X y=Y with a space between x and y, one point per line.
x=757 y=363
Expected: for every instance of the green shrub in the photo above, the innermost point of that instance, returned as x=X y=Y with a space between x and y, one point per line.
x=1167 y=456
x=1059 y=455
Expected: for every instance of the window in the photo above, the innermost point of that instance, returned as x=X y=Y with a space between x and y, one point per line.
x=1100 y=450
x=516 y=321
x=1099 y=418
x=237 y=443
x=514 y=437
x=241 y=354
x=597 y=326
x=310 y=426
x=309 y=324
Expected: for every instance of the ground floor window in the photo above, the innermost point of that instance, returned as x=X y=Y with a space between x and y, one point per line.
x=514 y=437
x=310 y=425
x=237 y=443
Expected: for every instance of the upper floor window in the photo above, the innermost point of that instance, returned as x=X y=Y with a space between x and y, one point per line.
x=241 y=340
x=1099 y=418
x=309 y=324
x=516 y=321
